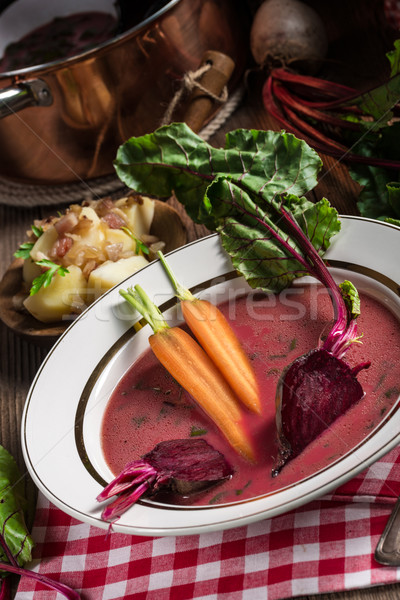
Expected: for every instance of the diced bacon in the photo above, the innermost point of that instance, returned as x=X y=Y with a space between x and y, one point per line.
x=114 y=221
x=113 y=251
x=66 y=224
x=103 y=206
x=61 y=247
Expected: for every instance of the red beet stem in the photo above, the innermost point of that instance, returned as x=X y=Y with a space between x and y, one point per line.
x=309 y=83
x=284 y=96
x=134 y=473
x=286 y=107
x=313 y=136
x=116 y=508
x=299 y=126
x=55 y=585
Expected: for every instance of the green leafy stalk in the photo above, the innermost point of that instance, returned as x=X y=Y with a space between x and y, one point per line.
x=360 y=129
x=245 y=192
x=181 y=291
x=239 y=191
x=380 y=194
x=15 y=541
x=140 y=301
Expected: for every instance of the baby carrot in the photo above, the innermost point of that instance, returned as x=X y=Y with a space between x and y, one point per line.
x=220 y=342
x=192 y=368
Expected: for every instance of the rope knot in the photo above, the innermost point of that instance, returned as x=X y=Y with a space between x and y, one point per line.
x=190 y=82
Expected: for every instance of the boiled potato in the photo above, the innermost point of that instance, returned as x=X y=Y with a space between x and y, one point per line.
x=110 y=273
x=30 y=270
x=139 y=215
x=64 y=296
x=117 y=236
x=94 y=235
x=44 y=244
x=89 y=213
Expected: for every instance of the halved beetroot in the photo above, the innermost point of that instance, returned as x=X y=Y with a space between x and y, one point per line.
x=313 y=391
x=182 y=467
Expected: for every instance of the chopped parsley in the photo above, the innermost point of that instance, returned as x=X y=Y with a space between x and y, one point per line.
x=239 y=492
x=37 y=230
x=195 y=431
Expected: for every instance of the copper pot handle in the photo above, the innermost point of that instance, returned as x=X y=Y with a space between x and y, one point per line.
x=23 y=95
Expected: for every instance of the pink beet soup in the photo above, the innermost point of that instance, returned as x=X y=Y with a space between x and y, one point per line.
x=148 y=406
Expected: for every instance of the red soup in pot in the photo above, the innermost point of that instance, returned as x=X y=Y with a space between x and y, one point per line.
x=148 y=406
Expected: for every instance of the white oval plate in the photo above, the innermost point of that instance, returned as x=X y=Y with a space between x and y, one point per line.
x=65 y=405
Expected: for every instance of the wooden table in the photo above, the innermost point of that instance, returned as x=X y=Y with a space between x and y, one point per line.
x=20 y=359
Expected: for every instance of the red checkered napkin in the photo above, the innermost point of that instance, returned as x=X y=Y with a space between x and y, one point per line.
x=379 y=483
x=325 y=546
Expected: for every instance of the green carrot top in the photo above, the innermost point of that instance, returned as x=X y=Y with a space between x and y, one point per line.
x=180 y=291
x=138 y=298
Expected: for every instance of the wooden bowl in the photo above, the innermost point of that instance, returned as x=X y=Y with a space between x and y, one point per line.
x=167 y=226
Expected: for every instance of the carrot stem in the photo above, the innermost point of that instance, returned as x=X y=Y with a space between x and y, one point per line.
x=216 y=336
x=181 y=292
x=141 y=302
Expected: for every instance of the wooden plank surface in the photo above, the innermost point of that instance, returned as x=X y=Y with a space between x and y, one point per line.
x=357 y=34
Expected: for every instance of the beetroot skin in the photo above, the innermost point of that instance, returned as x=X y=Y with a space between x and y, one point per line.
x=316 y=389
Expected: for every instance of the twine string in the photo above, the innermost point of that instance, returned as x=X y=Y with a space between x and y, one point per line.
x=190 y=82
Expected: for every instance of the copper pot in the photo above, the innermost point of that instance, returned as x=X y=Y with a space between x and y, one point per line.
x=64 y=120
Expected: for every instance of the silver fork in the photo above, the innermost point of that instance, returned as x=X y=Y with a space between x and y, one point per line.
x=387 y=551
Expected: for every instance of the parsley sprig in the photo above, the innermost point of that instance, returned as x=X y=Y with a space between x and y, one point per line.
x=43 y=280
x=46 y=277
x=24 y=251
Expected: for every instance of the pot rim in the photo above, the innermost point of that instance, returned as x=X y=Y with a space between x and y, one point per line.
x=87 y=54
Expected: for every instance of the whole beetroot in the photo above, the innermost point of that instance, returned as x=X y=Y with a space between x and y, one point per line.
x=288 y=33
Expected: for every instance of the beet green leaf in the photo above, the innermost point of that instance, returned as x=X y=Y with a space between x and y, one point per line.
x=257 y=240
x=239 y=191
x=12 y=502
x=173 y=159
